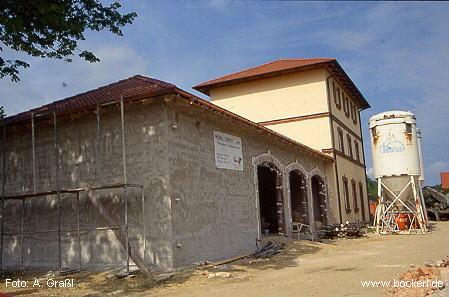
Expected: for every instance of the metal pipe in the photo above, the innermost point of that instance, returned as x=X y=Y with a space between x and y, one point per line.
x=62 y=191
x=122 y=116
x=78 y=227
x=379 y=205
x=31 y=232
x=33 y=152
x=59 y=233
x=22 y=233
x=67 y=230
x=143 y=226
x=126 y=228
x=366 y=177
x=95 y=229
x=331 y=123
x=57 y=189
x=3 y=192
x=98 y=145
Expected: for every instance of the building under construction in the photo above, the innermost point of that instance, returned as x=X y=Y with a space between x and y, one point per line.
x=140 y=172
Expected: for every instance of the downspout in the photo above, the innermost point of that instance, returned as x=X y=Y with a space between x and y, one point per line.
x=333 y=146
x=364 y=162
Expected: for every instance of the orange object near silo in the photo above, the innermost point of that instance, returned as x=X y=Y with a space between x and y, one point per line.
x=372 y=207
x=403 y=221
x=445 y=180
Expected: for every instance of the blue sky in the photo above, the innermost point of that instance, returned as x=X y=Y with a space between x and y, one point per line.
x=397 y=54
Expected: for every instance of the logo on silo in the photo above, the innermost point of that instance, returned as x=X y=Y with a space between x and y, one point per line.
x=390 y=145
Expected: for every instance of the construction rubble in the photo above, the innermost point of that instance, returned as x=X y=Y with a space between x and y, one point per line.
x=269 y=249
x=432 y=271
x=437 y=204
x=346 y=230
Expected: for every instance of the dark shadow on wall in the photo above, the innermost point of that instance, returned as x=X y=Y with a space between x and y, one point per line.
x=267 y=199
x=298 y=197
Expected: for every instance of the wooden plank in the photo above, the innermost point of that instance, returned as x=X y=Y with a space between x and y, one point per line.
x=224 y=261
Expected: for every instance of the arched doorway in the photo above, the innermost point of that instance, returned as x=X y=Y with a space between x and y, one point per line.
x=298 y=197
x=270 y=197
x=319 y=200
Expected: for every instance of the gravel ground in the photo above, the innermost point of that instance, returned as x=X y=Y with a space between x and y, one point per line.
x=334 y=268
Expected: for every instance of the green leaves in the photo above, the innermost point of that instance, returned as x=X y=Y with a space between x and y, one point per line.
x=11 y=68
x=88 y=56
x=53 y=28
x=2 y=113
x=372 y=189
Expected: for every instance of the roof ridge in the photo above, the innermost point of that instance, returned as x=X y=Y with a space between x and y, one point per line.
x=306 y=59
x=113 y=89
x=137 y=76
x=88 y=91
x=265 y=64
x=247 y=69
x=155 y=80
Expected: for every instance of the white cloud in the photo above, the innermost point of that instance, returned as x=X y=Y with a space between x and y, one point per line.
x=43 y=81
x=432 y=172
x=219 y=4
x=396 y=53
x=370 y=172
x=398 y=56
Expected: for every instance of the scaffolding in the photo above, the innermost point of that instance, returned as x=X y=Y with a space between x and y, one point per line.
x=400 y=215
x=124 y=228
x=76 y=194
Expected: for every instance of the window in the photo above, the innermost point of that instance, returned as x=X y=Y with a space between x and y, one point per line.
x=408 y=128
x=354 y=114
x=354 y=196
x=345 y=104
x=350 y=146
x=373 y=132
x=361 y=200
x=357 y=152
x=337 y=97
x=351 y=107
x=347 y=112
x=346 y=194
x=341 y=143
x=334 y=93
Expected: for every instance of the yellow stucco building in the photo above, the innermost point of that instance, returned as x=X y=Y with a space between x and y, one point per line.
x=312 y=101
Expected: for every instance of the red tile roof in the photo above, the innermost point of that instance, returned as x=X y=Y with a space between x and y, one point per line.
x=128 y=88
x=141 y=87
x=256 y=72
x=282 y=67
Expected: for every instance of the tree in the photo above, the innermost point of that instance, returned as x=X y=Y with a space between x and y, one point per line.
x=372 y=189
x=53 y=28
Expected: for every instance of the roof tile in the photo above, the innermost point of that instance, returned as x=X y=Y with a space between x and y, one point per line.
x=274 y=66
x=132 y=86
x=281 y=67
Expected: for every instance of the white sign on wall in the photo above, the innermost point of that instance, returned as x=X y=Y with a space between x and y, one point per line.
x=228 y=151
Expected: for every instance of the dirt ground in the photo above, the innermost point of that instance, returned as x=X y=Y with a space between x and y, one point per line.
x=334 y=268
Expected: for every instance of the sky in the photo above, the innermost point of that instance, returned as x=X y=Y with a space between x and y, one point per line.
x=397 y=53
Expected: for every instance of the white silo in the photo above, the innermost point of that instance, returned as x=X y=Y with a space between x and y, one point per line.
x=397 y=163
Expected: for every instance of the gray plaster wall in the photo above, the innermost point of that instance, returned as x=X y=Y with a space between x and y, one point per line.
x=146 y=142
x=214 y=210
x=193 y=211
